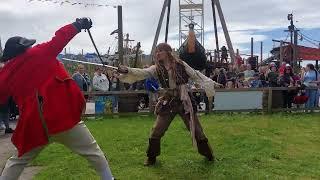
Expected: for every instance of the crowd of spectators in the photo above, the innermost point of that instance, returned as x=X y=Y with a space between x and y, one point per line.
x=243 y=77
x=273 y=76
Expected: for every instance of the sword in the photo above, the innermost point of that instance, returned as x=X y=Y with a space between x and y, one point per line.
x=92 y=63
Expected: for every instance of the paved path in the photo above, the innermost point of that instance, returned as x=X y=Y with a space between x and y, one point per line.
x=7 y=149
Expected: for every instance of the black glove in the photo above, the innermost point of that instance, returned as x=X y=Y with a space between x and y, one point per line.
x=82 y=23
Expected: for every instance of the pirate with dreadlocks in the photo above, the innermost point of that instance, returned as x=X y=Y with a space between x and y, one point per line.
x=173 y=75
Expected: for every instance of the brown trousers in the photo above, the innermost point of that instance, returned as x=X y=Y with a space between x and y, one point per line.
x=164 y=118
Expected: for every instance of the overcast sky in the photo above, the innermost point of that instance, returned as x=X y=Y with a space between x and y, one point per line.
x=262 y=19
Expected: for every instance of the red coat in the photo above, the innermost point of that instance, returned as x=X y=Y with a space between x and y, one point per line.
x=37 y=74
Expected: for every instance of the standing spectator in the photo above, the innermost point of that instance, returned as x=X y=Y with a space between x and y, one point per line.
x=239 y=61
x=4 y=117
x=224 y=54
x=248 y=73
x=4 y=113
x=114 y=81
x=286 y=80
x=101 y=83
x=272 y=76
x=253 y=62
x=256 y=82
x=311 y=78
x=82 y=79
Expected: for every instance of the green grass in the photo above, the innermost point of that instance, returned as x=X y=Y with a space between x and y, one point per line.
x=247 y=146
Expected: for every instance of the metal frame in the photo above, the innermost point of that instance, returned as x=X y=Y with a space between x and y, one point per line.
x=191 y=11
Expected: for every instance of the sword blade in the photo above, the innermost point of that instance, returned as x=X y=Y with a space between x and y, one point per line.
x=92 y=63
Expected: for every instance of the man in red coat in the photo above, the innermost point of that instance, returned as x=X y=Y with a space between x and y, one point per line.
x=50 y=102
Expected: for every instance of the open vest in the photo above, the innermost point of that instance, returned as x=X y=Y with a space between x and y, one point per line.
x=181 y=75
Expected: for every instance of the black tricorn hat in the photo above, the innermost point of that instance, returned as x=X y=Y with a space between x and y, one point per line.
x=15 y=46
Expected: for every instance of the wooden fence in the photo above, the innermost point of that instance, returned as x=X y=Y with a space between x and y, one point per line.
x=228 y=100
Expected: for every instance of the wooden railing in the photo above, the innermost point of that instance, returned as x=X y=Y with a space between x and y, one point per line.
x=268 y=98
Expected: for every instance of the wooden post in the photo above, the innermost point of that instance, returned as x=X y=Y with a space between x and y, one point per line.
x=215 y=27
x=168 y=20
x=269 y=100
x=295 y=50
x=120 y=35
x=317 y=61
x=261 y=52
x=252 y=47
x=225 y=30
x=281 y=52
x=155 y=41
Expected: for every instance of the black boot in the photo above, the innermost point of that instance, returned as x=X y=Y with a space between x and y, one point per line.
x=205 y=149
x=152 y=152
x=9 y=131
x=150 y=161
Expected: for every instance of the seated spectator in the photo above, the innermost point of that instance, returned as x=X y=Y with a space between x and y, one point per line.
x=272 y=76
x=231 y=72
x=256 y=82
x=230 y=84
x=246 y=84
x=222 y=78
x=262 y=76
x=240 y=81
x=214 y=75
x=248 y=73
x=282 y=68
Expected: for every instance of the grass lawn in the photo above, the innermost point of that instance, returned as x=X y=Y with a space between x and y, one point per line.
x=247 y=146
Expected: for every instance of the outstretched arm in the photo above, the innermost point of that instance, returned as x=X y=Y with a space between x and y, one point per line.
x=135 y=74
x=197 y=77
x=63 y=36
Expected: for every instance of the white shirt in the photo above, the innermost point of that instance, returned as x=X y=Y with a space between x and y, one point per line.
x=100 y=82
x=136 y=74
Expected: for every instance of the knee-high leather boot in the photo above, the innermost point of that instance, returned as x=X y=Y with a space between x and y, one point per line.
x=152 y=152
x=205 y=149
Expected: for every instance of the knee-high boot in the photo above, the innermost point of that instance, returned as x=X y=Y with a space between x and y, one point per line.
x=152 y=152
x=205 y=149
